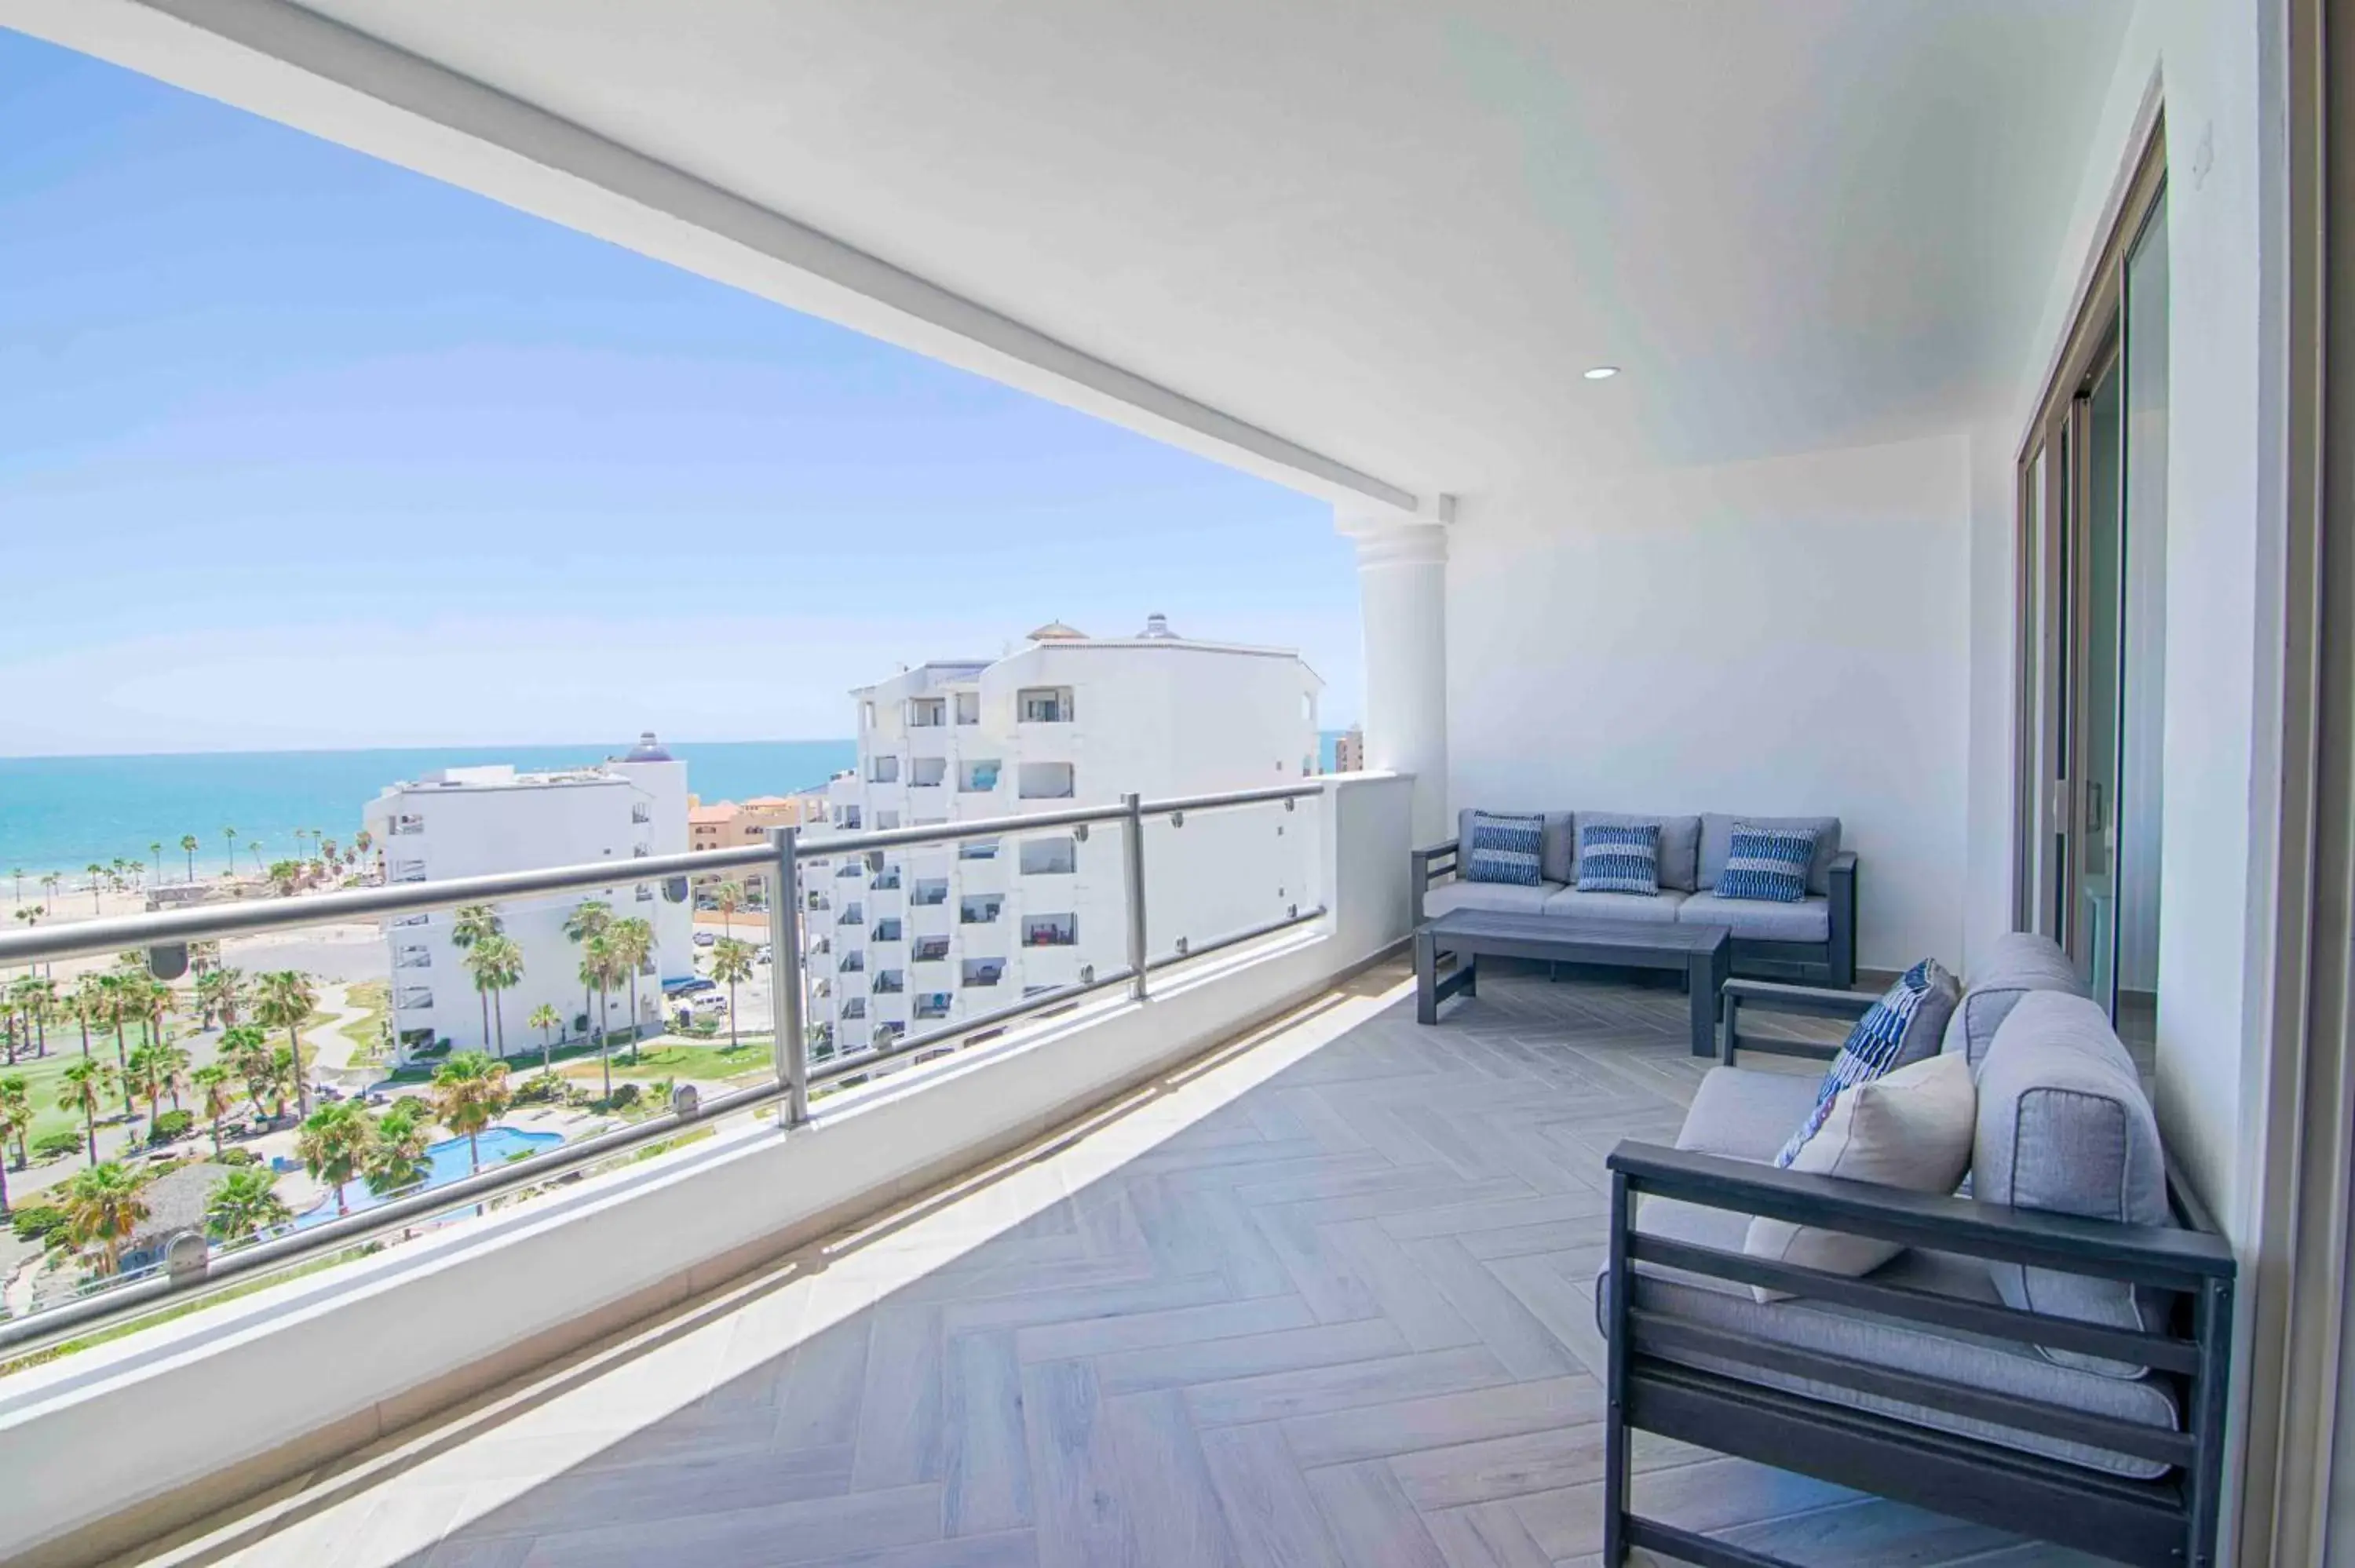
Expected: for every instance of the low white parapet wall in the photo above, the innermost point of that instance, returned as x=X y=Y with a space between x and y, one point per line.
x=114 y=1445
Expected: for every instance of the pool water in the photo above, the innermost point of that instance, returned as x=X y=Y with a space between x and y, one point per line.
x=446 y=1162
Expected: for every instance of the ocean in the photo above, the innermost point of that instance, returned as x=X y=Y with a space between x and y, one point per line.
x=60 y=813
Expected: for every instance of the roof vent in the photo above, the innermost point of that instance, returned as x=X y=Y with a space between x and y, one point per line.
x=1056 y=632
x=1156 y=626
x=648 y=749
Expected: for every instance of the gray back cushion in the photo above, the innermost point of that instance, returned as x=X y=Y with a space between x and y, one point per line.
x=1717 y=841
x=2017 y=964
x=1557 y=845
x=2064 y=1128
x=1680 y=844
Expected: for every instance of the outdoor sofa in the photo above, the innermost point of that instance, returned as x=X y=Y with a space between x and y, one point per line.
x=2052 y=1364
x=1811 y=940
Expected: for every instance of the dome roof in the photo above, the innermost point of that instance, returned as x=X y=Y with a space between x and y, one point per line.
x=1157 y=628
x=1056 y=632
x=648 y=749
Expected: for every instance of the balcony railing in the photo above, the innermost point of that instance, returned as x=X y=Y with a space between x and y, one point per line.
x=196 y=1269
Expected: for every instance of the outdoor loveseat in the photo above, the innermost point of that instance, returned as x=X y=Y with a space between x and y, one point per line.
x=2046 y=1355
x=1811 y=940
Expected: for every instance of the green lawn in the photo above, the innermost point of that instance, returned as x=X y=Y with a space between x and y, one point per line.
x=670 y=1057
x=43 y=1075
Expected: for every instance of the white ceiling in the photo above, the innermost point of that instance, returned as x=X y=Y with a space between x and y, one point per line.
x=1396 y=232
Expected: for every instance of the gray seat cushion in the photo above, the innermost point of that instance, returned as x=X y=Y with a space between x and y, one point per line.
x=1660 y=908
x=1680 y=844
x=1747 y=1113
x=1557 y=847
x=1757 y=920
x=1511 y=897
x=2064 y=1129
x=2015 y=965
x=1717 y=840
x=1993 y=1365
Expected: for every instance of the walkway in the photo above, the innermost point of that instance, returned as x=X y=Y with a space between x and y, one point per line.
x=1325 y=1300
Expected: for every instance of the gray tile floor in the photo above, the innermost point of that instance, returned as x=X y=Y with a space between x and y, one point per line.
x=1326 y=1299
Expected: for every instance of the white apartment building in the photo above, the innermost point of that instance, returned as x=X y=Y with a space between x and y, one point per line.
x=469 y=822
x=915 y=941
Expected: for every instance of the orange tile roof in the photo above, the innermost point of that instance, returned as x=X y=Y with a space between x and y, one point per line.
x=715 y=815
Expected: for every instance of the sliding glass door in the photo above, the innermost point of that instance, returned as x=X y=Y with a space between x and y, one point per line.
x=2093 y=509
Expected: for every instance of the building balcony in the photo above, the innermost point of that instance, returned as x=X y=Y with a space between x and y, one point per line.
x=933 y=1004
x=1046 y=781
x=977 y=972
x=929 y=951
x=979 y=911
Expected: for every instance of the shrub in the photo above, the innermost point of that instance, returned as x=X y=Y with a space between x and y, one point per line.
x=235 y=1157
x=39 y=1223
x=541 y=1088
x=623 y=1097
x=56 y=1143
x=172 y=1124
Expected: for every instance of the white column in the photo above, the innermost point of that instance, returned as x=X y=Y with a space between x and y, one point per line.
x=1402 y=580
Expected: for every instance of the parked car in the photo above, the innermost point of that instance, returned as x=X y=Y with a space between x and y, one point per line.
x=705 y=939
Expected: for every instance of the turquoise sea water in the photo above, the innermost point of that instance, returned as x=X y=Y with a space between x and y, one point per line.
x=60 y=813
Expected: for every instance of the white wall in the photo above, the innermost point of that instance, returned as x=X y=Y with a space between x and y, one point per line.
x=1777 y=637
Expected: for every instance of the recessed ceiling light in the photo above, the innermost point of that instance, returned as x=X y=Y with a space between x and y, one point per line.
x=1602 y=373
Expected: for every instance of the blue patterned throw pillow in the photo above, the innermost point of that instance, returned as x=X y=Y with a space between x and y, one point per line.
x=1769 y=865
x=1502 y=848
x=1906 y=1025
x=1619 y=859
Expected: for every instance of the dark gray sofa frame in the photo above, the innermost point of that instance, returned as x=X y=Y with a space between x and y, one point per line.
x=1830 y=963
x=2169 y=1521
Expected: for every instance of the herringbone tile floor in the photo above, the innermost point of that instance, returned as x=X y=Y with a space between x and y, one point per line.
x=1324 y=1300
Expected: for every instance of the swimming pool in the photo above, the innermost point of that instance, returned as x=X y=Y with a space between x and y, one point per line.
x=446 y=1162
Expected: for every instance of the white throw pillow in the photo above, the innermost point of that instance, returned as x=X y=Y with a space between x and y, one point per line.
x=1911 y=1128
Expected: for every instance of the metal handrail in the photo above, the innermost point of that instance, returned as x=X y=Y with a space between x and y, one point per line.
x=783 y=854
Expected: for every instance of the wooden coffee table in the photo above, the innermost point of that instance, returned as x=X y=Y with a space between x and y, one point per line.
x=1703 y=952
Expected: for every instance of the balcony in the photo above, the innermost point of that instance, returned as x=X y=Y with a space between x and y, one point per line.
x=927 y=713
x=1050 y=931
x=1043 y=705
x=968 y=707
x=412 y=955
x=1058 y=856
x=977 y=849
x=888 y=982
x=982 y=972
x=929 y=950
x=979 y=910
x=929 y=892
x=1046 y=781
x=854 y=1008
x=887 y=928
x=886 y=881
x=853 y=962
x=931 y=1005
x=851 y=914
x=883 y=770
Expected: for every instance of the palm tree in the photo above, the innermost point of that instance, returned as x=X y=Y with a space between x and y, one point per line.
x=243 y=1202
x=397 y=1159
x=114 y=990
x=219 y=993
x=80 y=1087
x=37 y=998
x=144 y=1073
x=212 y=1082
x=156 y=849
x=245 y=1052
x=230 y=834
x=634 y=949
x=732 y=962
x=547 y=1021
x=496 y=963
x=96 y=871
x=597 y=973
x=729 y=897
x=172 y=1063
x=590 y=917
x=103 y=1209
x=473 y=924
x=15 y=1117
x=469 y=1091
x=334 y=1145
x=189 y=848
x=88 y=1006
x=284 y=999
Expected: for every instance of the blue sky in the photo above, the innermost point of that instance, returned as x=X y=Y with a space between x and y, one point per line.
x=301 y=449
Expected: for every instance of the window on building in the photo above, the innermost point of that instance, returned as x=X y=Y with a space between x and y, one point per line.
x=885 y=821
x=931 y=950
x=979 y=908
x=927 y=713
x=1046 y=781
x=977 y=849
x=415 y=998
x=887 y=928
x=866 y=715
x=930 y=889
x=968 y=707
x=640 y=813
x=855 y=1007
x=979 y=778
x=412 y=955
x=933 y=1004
x=984 y=971
x=852 y=915
x=928 y=772
x=883 y=770
x=890 y=982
